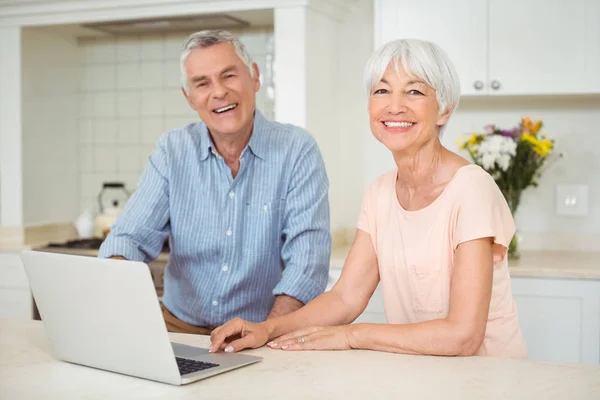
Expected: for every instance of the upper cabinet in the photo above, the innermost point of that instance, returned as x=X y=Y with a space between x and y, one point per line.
x=505 y=47
x=458 y=26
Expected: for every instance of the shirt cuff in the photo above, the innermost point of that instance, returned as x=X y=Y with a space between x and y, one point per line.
x=119 y=246
x=299 y=287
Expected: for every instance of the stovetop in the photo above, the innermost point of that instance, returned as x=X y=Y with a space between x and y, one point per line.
x=90 y=244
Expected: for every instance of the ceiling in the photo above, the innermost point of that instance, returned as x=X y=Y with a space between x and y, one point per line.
x=251 y=18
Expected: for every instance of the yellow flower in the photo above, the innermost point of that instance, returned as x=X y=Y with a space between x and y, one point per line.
x=463 y=142
x=527 y=137
x=531 y=127
x=541 y=147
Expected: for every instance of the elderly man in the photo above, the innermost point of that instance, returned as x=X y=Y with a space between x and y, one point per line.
x=242 y=200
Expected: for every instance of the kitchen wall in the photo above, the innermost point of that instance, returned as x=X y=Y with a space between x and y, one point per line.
x=355 y=43
x=131 y=95
x=50 y=84
x=11 y=201
x=573 y=122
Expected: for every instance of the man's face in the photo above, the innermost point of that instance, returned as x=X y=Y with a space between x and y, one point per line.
x=221 y=89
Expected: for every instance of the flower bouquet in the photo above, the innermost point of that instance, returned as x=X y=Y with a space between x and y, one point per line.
x=515 y=158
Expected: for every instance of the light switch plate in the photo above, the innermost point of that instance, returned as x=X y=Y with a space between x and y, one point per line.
x=572 y=200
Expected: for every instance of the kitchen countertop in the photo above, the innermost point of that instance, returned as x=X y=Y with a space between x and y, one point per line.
x=28 y=370
x=532 y=264
x=89 y=252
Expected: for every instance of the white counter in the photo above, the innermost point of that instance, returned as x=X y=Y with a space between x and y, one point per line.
x=532 y=264
x=28 y=370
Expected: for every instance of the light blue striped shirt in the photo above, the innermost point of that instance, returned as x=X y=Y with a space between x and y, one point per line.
x=235 y=243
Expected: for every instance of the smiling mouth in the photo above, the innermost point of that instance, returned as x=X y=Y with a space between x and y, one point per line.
x=394 y=124
x=225 y=109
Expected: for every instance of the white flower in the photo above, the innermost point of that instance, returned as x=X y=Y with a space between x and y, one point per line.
x=496 y=150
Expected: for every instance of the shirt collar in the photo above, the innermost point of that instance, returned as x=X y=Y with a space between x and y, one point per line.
x=257 y=144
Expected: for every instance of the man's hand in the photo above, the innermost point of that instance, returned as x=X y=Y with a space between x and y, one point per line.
x=284 y=305
x=251 y=335
x=118 y=258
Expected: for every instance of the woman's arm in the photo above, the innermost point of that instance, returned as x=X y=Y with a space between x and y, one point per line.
x=342 y=305
x=346 y=300
x=462 y=331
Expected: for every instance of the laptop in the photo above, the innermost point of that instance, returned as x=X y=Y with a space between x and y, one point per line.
x=105 y=314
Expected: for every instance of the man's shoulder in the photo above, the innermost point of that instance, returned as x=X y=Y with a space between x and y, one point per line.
x=181 y=136
x=286 y=135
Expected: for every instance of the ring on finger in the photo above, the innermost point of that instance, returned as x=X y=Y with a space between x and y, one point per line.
x=301 y=339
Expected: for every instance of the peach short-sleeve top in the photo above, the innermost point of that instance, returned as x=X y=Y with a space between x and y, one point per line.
x=415 y=252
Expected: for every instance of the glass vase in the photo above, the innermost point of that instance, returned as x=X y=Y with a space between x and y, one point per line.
x=513 y=198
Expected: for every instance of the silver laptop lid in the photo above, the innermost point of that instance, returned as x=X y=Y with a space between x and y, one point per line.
x=102 y=313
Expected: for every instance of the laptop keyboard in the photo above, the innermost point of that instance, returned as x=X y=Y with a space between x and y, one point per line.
x=190 y=366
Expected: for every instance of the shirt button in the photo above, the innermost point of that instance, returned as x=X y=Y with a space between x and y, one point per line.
x=225 y=267
x=231 y=195
x=215 y=303
x=228 y=232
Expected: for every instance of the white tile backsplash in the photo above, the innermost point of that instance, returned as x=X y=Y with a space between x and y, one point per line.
x=152 y=103
x=151 y=130
x=86 y=159
x=128 y=104
x=152 y=48
x=86 y=131
x=128 y=132
x=130 y=95
x=128 y=76
x=175 y=103
x=172 y=75
x=151 y=75
x=106 y=159
x=128 y=159
x=105 y=132
x=105 y=104
x=128 y=49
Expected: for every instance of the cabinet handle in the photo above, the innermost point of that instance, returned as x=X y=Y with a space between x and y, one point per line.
x=478 y=85
x=495 y=85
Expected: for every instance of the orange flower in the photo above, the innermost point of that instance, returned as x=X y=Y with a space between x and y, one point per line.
x=531 y=127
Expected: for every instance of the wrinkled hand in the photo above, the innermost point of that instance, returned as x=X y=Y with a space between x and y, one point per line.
x=316 y=338
x=237 y=335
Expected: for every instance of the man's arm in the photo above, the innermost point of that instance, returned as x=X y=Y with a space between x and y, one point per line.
x=143 y=226
x=307 y=240
x=284 y=305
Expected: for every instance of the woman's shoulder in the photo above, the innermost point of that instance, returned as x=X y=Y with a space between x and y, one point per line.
x=383 y=183
x=473 y=185
x=472 y=176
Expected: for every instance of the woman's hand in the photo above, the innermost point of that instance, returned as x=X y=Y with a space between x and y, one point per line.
x=316 y=338
x=237 y=335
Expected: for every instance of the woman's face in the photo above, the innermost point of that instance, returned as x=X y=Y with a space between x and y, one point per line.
x=404 y=112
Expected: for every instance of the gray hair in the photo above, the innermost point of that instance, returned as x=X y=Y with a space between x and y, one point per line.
x=422 y=59
x=207 y=38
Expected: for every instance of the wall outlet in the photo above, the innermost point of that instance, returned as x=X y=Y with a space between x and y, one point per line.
x=572 y=200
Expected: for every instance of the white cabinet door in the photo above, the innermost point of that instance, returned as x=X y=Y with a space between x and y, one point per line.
x=458 y=26
x=15 y=297
x=537 y=46
x=592 y=46
x=560 y=318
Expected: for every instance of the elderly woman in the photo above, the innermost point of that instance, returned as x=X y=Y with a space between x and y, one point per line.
x=434 y=232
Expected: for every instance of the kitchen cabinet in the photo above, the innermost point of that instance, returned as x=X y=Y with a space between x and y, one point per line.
x=458 y=26
x=505 y=47
x=560 y=318
x=15 y=297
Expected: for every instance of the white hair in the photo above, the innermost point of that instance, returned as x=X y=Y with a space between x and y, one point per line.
x=207 y=38
x=421 y=59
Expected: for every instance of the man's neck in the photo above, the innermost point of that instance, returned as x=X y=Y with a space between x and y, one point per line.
x=230 y=146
